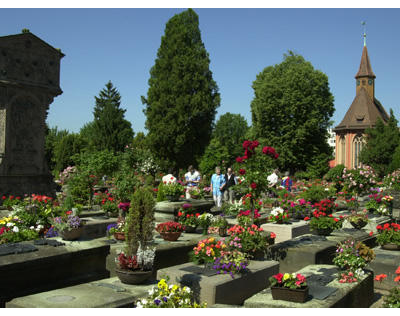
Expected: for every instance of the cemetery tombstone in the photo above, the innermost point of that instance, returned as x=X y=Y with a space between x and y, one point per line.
x=29 y=81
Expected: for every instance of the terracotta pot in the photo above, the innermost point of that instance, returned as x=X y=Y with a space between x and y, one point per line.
x=119 y=236
x=132 y=277
x=291 y=295
x=170 y=236
x=390 y=246
x=72 y=234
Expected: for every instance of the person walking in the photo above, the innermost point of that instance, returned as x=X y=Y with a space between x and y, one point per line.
x=230 y=182
x=217 y=183
x=287 y=182
x=192 y=178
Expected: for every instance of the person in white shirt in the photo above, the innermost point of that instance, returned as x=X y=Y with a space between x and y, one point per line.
x=192 y=178
x=273 y=179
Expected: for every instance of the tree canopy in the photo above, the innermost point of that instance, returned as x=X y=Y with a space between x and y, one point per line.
x=182 y=98
x=291 y=109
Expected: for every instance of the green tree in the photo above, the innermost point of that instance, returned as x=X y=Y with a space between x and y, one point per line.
x=382 y=141
x=53 y=137
x=182 y=97
x=291 y=110
x=65 y=149
x=214 y=155
x=109 y=130
x=230 y=130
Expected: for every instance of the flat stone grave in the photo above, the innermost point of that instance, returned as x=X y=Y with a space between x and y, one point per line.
x=221 y=288
x=287 y=231
x=96 y=226
x=325 y=291
x=166 y=211
x=385 y=262
x=374 y=220
x=305 y=250
x=103 y=293
x=51 y=267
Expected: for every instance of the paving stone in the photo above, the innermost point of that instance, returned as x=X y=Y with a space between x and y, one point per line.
x=287 y=231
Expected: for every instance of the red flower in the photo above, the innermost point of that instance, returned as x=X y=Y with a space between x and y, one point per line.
x=380 y=277
x=336 y=220
x=397 y=279
x=273 y=235
x=3 y=197
x=253 y=185
x=398 y=270
x=239 y=159
x=306 y=218
x=246 y=144
x=242 y=171
x=371 y=233
x=68 y=212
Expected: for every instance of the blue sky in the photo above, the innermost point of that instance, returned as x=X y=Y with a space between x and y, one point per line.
x=121 y=45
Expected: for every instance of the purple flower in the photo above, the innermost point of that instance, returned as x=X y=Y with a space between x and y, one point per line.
x=113 y=225
x=51 y=232
x=165 y=299
x=157 y=301
x=186 y=206
x=124 y=206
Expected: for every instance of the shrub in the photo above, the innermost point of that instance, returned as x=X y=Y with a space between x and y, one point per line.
x=314 y=194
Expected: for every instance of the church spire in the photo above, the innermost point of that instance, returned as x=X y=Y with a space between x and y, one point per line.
x=365 y=69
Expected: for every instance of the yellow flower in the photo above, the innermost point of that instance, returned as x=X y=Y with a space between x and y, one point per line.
x=286 y=276
x=211 y=239
x=202 y=245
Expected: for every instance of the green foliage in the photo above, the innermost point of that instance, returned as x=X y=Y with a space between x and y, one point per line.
x=214 y=155
x=395 y=164
x=161 y=193
x=314 y=194
x=182 y=98
x=53 y=137
x=334 y=174
x=139 y=221
x=382 y=142
x=80 y=187
x=98 y=163
x=291 y=109
x=230 y=130
x=65 y=150
x=25 y=30
x=22 y=235
x=393 y=299
x=126 y=182
x=110 y=130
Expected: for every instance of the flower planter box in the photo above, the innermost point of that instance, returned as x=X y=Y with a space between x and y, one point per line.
x=390 y=246
x=223 y=289
x=291 y=295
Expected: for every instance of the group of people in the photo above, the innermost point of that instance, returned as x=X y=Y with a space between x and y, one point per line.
x=222 y=185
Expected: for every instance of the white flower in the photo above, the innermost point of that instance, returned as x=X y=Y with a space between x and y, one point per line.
x=32 y=227
x=139 y=305
x=276 y=211
x=15 y=229
x=144 y=301
x=186 y=289
x=151 y=292
x=9 y=224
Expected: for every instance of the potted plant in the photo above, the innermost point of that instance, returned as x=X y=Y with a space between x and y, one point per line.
x=166 y=295
x=353 y=256
x=252 y=238
x=289 y=287
x=244 y=218
x=231 y=261
x=222 y=224
x=68 y=226
x=387 y=200
x=117 y=229
x=279 y=216
x=134 y=265
x=195 y=193
x=188 y=218
x=389 y=236
x=327 y=206
x=170 y=231
x=173 y=191
x=205 y=220
x=323 y=224
x=206 y=250
x=358 y=219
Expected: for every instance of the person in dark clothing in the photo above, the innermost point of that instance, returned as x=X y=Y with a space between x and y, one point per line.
x=230 y=182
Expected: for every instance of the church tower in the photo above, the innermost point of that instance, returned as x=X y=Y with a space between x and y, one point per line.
x=362 y=113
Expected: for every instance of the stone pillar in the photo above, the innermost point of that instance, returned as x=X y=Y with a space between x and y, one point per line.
x=29 y=80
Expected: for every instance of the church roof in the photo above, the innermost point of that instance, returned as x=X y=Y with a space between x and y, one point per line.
x=365 y=69
x=363 y=112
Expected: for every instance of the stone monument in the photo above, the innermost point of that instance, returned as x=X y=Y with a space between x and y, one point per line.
x=29 y=80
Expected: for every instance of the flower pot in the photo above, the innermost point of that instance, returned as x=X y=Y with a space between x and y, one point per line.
x=359 y=224
x=323 y=231
x=170 y=236
x=72 y=234
x=292 y=295
x=119 y=236
x=390 y=246
x=173 y=198
x=190 y=229
x=222 y=231
x=132 y=277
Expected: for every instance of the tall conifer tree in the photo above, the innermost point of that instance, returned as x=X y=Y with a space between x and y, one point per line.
x=182 y=98
x=109 y=130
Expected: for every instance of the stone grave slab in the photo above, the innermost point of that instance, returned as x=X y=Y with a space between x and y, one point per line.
x=287 y=231
x=103 y=293
x=52 y=267
x=386 y=262
x=96 y=226
x=310 y=249
x=223 y=289
x=358 y=295
x=166 y=210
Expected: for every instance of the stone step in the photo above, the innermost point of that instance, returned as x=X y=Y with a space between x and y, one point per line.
x=319 y=277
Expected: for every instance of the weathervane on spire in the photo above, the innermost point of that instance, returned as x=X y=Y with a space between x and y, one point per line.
x=365 y=35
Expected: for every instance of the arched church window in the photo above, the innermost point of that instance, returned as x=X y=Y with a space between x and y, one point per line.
x=343 y=150
x=357 y=147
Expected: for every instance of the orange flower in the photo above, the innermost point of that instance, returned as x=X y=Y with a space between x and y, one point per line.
x=397 y=279
x=398 y=270
x=380 y=277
